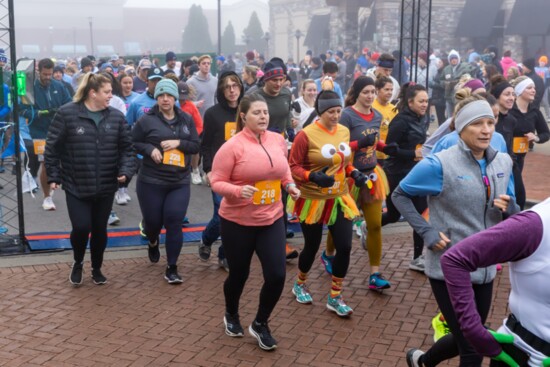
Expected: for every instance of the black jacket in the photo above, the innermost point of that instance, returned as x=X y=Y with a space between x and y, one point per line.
x=215 y=118
x=87 y=159
x=407 y=130
x=150 y=130
x=530 y=122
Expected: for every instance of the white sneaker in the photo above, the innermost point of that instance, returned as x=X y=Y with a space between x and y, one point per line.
x=417 y=264
x=48 y=204
x=204 y=179
x=113 y=219
x=363 y=236
x=126 y=195
x=196 y=177
x=120 y=198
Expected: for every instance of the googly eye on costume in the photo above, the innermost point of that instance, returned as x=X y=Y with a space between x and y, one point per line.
x=328 y=150
x=344 y=148
x=373 y=177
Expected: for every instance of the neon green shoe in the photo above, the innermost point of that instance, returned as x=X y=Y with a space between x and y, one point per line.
x=440 y=327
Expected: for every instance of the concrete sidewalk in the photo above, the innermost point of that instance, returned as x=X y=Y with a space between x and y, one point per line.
x=139 y=320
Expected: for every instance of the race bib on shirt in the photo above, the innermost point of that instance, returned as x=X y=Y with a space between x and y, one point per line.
x=39 y=146
x=269 y=192
x=339 y=182
x=174 y=157
x=520 y=145
x=230 y=130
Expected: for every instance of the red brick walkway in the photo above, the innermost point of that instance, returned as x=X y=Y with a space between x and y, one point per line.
x=536 y=175
x=139 y=320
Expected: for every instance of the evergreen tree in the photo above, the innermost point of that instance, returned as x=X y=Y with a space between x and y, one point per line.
x=253 y=33
x=228 y=39
x=196 y=37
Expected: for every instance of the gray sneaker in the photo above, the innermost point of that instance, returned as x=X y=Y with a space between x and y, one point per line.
x=223 y=264
x=413 y=357
x=204 y=251
x=417 y=264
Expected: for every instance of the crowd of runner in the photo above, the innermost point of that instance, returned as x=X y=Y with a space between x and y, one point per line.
x=336 y=140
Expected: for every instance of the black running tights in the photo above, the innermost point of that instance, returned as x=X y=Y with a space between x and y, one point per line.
x=240 y=243
x=89 y=216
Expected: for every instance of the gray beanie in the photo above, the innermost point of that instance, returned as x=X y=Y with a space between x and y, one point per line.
x=471 y=112
x=167 y=86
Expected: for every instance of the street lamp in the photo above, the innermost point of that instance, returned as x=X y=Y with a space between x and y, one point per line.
x=266 y=38
x=91 y=35
x=298 y=34
x=51 y=40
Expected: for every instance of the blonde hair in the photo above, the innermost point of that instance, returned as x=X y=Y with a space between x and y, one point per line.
x=252 y=70
x=518 y=80
x=463 y=97
x=515 y=72
x=205 y=57
x=89 y=82
x=304 y=84
x=463 y=80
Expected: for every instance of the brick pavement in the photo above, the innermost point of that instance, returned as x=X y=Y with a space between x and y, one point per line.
x=536 y=176
x=139 y=320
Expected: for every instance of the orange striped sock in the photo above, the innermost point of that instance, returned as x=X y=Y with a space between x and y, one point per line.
x=336 y=286
x=302 y=277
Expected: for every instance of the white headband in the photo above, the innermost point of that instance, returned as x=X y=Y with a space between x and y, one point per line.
x=520 y=88
x=471 y=112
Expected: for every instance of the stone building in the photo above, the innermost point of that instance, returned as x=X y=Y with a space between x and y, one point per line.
x=521 y=26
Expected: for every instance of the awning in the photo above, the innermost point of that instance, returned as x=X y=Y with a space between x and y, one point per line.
x=318 y=33
x=529 y=18
x=478 y=18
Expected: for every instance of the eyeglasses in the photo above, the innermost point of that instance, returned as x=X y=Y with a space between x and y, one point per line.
x=231 y=86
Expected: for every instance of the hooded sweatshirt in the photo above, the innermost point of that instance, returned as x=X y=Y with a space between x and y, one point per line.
x=217 y=119
x=205 y=89
x=507 y=62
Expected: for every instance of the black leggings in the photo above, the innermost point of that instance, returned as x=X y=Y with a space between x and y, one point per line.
x=164 y=205
x=34 y=164
x=89 y=216
x=341 y=232
x=521 y=196
x=240 y=243
x=455 y=344
x=392 y=215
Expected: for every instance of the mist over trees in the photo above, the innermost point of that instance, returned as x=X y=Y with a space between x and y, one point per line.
x=253 y=33
x=228 y=39
x=196 y=37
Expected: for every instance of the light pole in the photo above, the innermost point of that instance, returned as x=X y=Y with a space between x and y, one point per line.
x=51 y=40
x=298 y=34
x=267 y=37
x=91 y=35
x=219 y=28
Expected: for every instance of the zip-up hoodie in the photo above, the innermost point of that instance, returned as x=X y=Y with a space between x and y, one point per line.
x=245 y=160
x=215 y=120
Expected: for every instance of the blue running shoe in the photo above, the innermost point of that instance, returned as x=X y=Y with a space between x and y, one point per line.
x=377 y=281
x=302 y=293
x=142 y=230
x=338 y=305
x=327 y=262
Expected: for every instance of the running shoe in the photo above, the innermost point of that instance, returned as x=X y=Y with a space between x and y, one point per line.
x=337 y=304
x=289 y=233
x=417 y=264
x=48 y=204
x=233 y=326
x=126 y=195
x=204 y=251
x=113 y=219
x=302 y=293
x=172 y=276
x=76 y=274
x=291 y=252
x=413 y=357
x=262 y=333
x=223 y=264
x=120 y=198
x=327 y=262
x=153 y=251
x=357 y=227
x=363 y=236
x=377 y=281
x=440 y=327
x=98 y=277
x=196 y=177
x=142 y=230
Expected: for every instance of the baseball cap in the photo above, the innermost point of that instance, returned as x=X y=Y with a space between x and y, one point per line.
x=154 y=73
x=145 y=64
x=183 y=90
x=114 y=57
x=170 y=56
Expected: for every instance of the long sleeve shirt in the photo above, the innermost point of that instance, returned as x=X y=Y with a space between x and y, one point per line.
x=248 y=159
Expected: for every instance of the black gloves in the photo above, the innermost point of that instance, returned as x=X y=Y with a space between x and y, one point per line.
x=391 y=149
x=367 y=141
x=321 y=178
x=359 y=178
